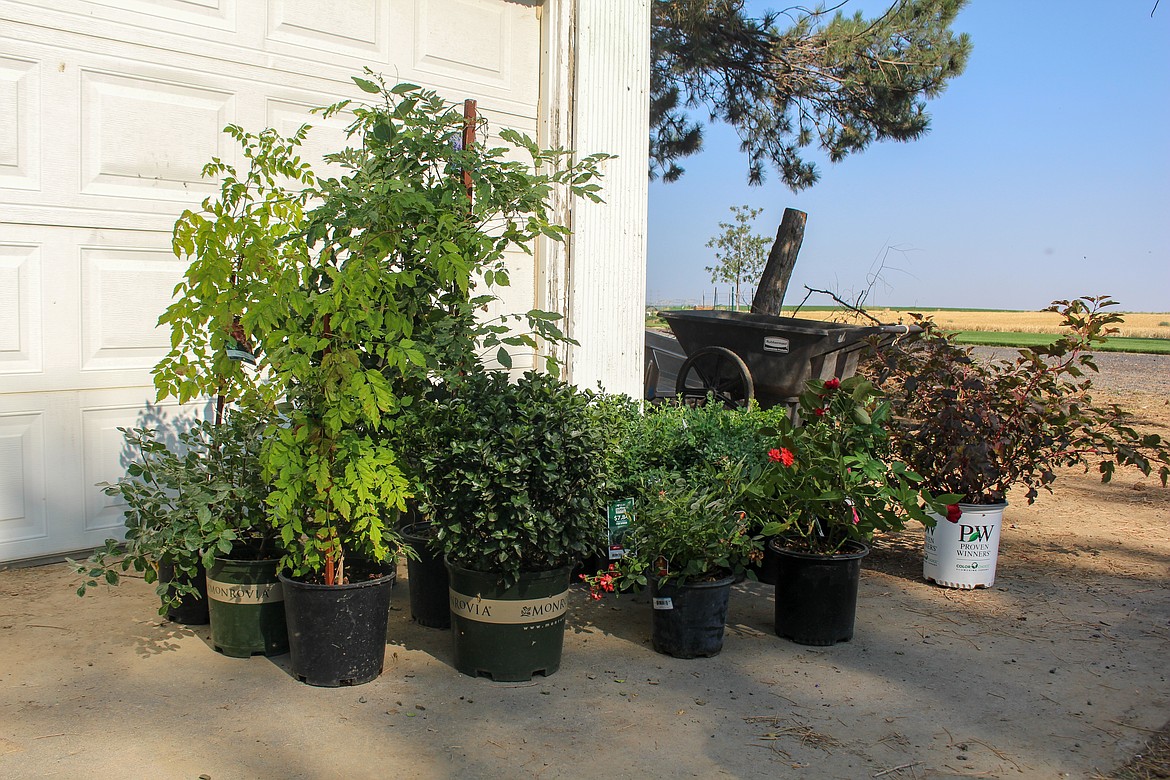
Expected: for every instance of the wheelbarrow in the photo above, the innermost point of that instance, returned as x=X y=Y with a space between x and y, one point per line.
x=737 y=356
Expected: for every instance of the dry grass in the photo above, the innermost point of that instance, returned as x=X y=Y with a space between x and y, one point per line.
x=1145 y=325
x=1153 y=763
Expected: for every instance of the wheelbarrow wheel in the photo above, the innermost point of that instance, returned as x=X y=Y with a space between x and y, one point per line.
x=718 y=372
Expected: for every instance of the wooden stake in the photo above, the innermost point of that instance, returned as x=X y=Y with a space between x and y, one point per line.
x=469 y=119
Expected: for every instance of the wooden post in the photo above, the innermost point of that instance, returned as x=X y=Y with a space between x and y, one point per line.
x=769 y=295
x=469 y=119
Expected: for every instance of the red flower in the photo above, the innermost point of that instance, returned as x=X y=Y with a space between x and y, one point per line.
x=833 y=384
x=954 y=513
x=782 y=455
x=820 y=412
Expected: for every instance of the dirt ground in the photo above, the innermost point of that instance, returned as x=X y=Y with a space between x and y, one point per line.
x=1060 y=670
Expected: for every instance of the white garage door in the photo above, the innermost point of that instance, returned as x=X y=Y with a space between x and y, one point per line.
x=108 y=111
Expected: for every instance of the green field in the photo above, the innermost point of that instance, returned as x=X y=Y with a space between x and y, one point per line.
x=1016 y=339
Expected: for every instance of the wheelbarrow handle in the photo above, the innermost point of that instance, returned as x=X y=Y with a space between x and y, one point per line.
x=901 y=329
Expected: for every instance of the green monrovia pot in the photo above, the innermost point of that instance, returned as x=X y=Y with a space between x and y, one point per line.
x=508 y=633
x=246 y=605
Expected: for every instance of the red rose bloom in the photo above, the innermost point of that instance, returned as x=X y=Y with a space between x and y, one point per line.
x=833 y=384
x=954 y=513
x=820 y=412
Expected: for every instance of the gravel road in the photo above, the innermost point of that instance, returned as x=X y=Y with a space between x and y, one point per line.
x=1122 y=373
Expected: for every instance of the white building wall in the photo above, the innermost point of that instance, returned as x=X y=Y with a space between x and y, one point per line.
x=606 y=273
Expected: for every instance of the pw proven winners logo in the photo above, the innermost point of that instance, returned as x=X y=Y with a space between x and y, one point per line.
x=975 y=533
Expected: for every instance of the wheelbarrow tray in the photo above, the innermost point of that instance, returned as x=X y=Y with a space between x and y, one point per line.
x=782 y=353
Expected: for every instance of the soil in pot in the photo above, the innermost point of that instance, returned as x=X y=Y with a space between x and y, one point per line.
x=816 y=595
x=689 y=618
x=429 y=598
x=337 y=633
x=508 y=633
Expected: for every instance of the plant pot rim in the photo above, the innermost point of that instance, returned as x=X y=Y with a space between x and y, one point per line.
x=419 y=529
x=526 y=573
x=661 y=582
x=967 y=505
x=859 y=550
x=256 y=561
x=370 y=583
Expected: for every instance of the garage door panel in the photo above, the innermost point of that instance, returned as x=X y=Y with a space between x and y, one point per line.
x=210 y=14
x=105 y=454
x=473 y=48
x=21 y=312
x=140 y=134
x=357 y=28
x=22 y=478
x=124 y=290
x=324 y=137
x=20 y=132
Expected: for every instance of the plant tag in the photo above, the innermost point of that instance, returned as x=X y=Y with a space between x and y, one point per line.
x=663 y=604
x=237 y=350
x=618 y=516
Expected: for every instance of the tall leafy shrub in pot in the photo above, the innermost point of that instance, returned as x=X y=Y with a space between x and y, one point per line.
x=356 y=307
x=385 y=302
x=513 y=475
x=976 y=429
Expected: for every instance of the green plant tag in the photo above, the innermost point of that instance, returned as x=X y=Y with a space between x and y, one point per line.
x=618 y=515
x=237 y=350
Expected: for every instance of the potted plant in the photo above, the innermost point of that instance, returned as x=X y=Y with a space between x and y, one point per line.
x=831 y=484
x=351 y=311
x=977 y=429
x=689 y=540
x=426 y=572
x=512 y=476
x=194 y=506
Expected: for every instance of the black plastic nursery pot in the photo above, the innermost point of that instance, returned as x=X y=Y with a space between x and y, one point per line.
x=427 y=576
x=688 y=618
x=816 y=595
x=337 y=633
x=765 y=570
x=246 y=606
x=192 y=609
x=508 y=633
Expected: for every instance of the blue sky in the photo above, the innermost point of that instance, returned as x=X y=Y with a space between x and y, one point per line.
x=1045 y=175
